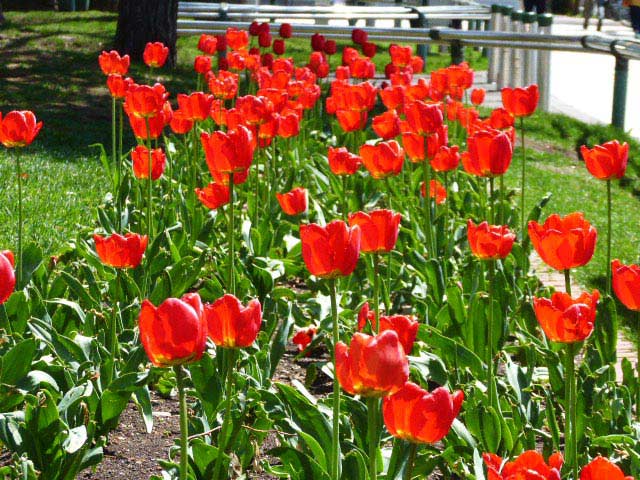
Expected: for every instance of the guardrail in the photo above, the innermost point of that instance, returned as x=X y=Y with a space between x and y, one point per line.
x=520 y=45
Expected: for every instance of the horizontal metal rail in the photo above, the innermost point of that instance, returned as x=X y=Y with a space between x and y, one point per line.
x=193 y=7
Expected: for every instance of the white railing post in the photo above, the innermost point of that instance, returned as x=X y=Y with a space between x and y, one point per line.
x=516 y=53
x=505 y=53
x=494 y=53
x=544 y=63
x=530 y=21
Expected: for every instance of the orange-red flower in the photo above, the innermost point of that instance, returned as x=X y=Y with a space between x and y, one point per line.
x=386 y=125
x=143 y=101
x=343 y=162
x=418 y=416
x=606 y=161
x=18 y=128
x=415 y=144
x=294 y=202
x=423 y=118
x=436 y=191
x=214 y=195
x=362 y=67
x=155 y=54
x=405 y=326
x=254 y=110
x=230 y=152
x=112 y=63
x=174 y=333
x=626 y=284
x=530 y=465
x=400 y=56
x=564 y=242
x=446 y=159
x=372 y=366
x=500 y=119
x=490 y=154
x=379 y=228
x=140 y=160
x=121 y=251
x=393 y=97
x=490 y=242
x=118 y=85
x=232 y=325
x=7 y=275
x=352 y=120
x=602 y=469
x=180 y=123
x=288 y=125
x=196 y=106
x=202 y=64
x=237 y=39
x=303 y=337
x=330 y=251
x=520 y=102
x=382 y=159
x=224 y=86
x=477 y=96
x=208 y=44
x=565 y=319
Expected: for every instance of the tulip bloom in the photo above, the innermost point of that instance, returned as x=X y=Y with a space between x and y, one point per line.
x=564 y=242
x=600 y=469
x=237 y=39
x=372 y=366
x=155 y=54
x=118 y=85
x=119 y=251
x=379 y=230
x=208 y=44
x=18 y=128
x=490 y=154
x=489 y=242
x=626 y=284
x=174 y=333
x=303 y=337
x=143 y=101
x=224 y=86
x=446 y=159
x=286 y=30
x=230 y=152
x=418 y=416
x=387 y=125
x=343 y=162
x=202 y=64
x=214 y=195
x=295 y=202
x=140 y=160
x=196 y=106
x=520 y=102
x=529 y=465
x=111 y=63
x=606 y=161
x=565 y=319
x=330 y=251
x=477 y=96
x=7 y=275
x=405 y=326
x=232 y=325
x=382 y=159
x=501 y=119
x=180 y=124
x=424 y=118
x=436 y=191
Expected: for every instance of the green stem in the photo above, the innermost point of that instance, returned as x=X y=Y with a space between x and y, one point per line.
x=567 y=281
x=113 y=146
x=119 y=169
x=571 y=450
x=230 y=239
x=426 y=171
x=113 y=332
x=502 y=197
x=184 y=423
x=257 y=197
x=376 y=290
x=490 y=369
x=609 y=237
x=413 y=448
x=149 y=183
x=638 y=367
x=522 y=179
x=345 y=201
x=226 y=422
x=19 y=174
x=446 y=226
x=335 y=440
x=372 y=414
x=491 y=201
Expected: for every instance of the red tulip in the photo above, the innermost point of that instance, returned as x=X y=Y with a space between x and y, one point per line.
x=254 y=110
x=382 y=159
x=606 y=161
x=174 y=333
x=155 y=54
x=446 y=159
x=351 y=120
x=520 y=102
x=565 y=319
x=359 y=36
x=602 y=469
x=140 y=160
x=530 y=465
x=317 y=42
x=143 y=101
x=343 y=162
x=279 y=47
x=330 y=251
x=405 y=326
x=223 y=178
x=477 y=96
x=400 y=56
x=214 y=195
x=264 y=40
x=372 y=366
x=288 y=125
x=564 y=243
x=293 y=203
x=237 y=39
x=303 y=337
x=418 y=416
x=180 y=123
x=208 y=44
x=202 y=64
x=626 y=284
x=7 y=275
x=121 y=251
x=459 y=76
x=286 y=30
x=18 y=128
x=379 y=228
x=112 y=63
x=387 y=125
x=230 y=324
x=414 y=144
x=230 y=152
x=369 y=49
x=501 y=119
x=423 y=118
x=436 y=190
x=490 y=242
x=393 y=97
x=225 y=85
x=490 y=154
x=118 y=85
x=330 y=47
x=196 y=106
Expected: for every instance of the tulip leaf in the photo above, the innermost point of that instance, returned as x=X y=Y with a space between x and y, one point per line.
x=16 y=363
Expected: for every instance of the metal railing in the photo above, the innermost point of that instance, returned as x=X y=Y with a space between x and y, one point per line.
x=519 y=54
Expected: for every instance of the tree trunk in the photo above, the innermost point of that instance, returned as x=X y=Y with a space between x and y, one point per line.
x=1 y=15
x=142 y=21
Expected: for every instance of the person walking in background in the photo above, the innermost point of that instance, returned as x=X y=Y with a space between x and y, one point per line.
x=588 y=11
x=540 y=6
x=634 y=12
